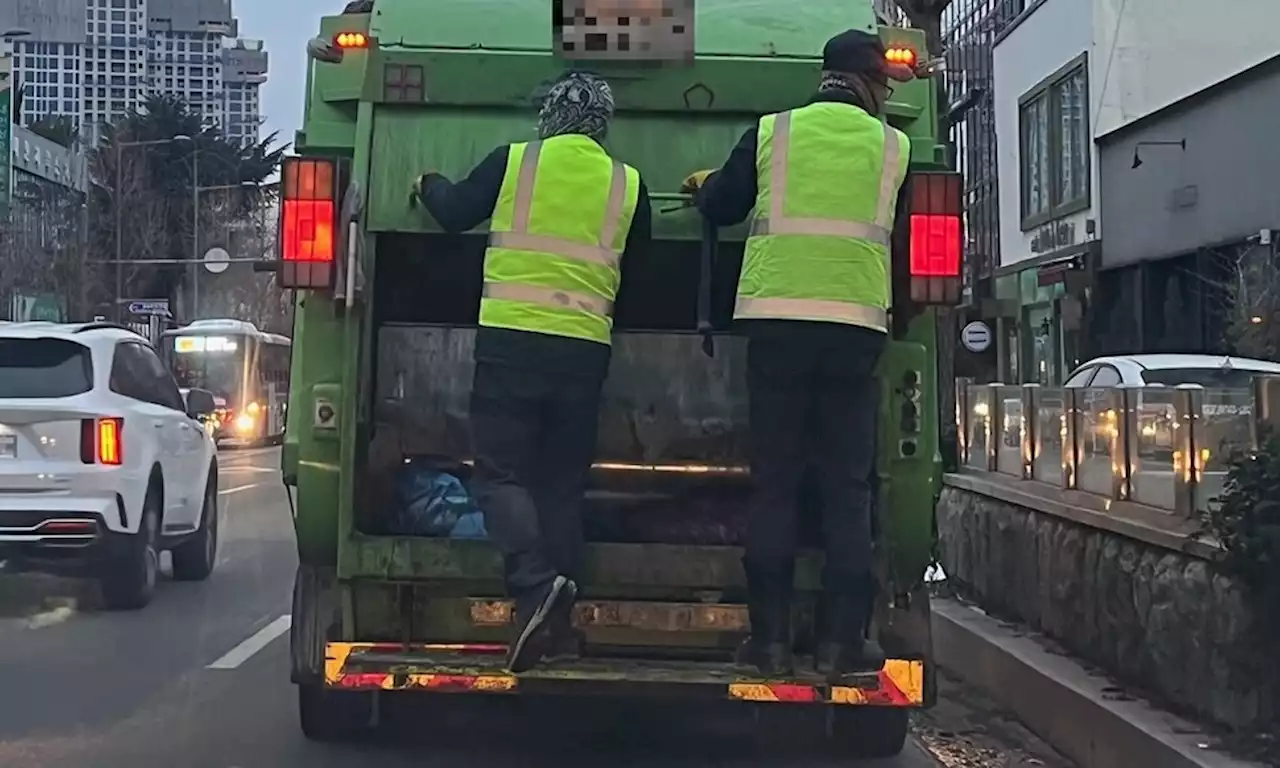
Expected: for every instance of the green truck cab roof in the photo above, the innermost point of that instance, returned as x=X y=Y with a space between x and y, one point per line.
x=721 y=27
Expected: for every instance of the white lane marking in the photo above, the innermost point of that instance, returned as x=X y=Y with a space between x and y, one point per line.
x=237 y=489
x=254 y=643
x=239 y=469
x=49 y=618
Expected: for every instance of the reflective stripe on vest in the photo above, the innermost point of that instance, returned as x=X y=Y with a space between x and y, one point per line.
x=531 y=283
x=520 y=239
x=778 y=223
x=817 y=310
x=775 y=222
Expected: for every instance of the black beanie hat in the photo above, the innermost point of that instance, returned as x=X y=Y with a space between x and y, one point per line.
x=854 y=52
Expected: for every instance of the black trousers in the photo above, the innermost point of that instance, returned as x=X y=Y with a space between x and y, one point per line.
x=813 y=397
x=534 y=434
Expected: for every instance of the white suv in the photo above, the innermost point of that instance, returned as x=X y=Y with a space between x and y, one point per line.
x=103 y=463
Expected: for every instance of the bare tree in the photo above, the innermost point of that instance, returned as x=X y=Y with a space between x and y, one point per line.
x=44 y=246
x=1251 y=291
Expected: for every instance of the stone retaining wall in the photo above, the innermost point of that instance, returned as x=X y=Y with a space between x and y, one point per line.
x=1160 y=620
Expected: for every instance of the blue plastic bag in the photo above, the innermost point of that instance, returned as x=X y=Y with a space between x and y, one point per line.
x=436 y=503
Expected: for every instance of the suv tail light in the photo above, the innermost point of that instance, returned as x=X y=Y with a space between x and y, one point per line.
x=308 y=221
x=102 y=441
x=936 y=239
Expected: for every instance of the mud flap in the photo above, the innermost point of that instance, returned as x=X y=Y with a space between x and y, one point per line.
x=317 y=616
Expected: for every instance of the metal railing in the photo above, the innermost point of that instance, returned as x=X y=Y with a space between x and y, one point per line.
x=1165 y=447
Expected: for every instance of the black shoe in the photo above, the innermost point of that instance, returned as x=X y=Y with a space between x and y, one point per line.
x=534 y=619
x=770 y=659
x=768 y=650
x=564 y=644
x=838 y=661
x=844 y=646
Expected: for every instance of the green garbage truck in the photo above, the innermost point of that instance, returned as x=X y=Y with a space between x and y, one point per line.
x=386 y=310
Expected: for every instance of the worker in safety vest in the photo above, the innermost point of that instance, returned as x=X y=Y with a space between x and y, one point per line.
x=565 y=216
x=824 y=180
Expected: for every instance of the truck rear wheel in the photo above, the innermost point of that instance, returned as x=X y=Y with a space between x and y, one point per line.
x=868 y=733
x=331 y=716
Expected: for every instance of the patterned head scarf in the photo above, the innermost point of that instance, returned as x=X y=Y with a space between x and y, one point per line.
x=578 y=102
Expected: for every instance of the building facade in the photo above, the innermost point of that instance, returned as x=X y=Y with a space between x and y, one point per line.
x=43 y=234
x=1049 y=222
x=1187 y=169
x=969 y=30
x=1145 y=122
x=95 y=60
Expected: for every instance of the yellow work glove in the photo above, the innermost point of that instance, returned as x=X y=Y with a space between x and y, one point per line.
x=420 y=183
x=694 y=181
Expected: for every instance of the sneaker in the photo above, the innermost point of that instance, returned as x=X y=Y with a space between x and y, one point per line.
x=552 y=602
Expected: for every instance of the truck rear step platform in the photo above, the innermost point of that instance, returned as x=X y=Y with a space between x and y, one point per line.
x=480 y=669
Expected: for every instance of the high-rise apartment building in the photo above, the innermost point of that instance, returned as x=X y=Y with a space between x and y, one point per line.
x=184 y=56
x=94 y=60
x=47 y=41
x=115 y=65
x=244 y=70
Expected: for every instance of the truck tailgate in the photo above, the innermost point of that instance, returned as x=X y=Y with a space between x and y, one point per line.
x=479 y=669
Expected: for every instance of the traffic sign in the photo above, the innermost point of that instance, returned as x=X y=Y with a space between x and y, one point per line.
x=150 y=307
x=976 y=336
x=216 y=260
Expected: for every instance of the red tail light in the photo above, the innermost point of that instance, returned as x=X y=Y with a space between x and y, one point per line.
x=102 y=441
x=937 y=238
x=308 y=219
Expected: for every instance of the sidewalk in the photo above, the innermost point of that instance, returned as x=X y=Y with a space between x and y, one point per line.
x=1082 y=714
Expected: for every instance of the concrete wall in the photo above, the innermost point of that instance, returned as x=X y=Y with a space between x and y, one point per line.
x=1153 y=53
x=1048 y=37
x=1222 y=188
x=1153 y=616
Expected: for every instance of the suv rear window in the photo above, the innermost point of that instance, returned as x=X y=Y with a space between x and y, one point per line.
x=44 y=368
x=1209 y=378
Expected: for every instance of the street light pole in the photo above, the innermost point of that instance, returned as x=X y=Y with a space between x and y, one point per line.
x=119 y=232
x=195 y=231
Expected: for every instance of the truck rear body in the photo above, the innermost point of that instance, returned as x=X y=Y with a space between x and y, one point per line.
x=382 y=369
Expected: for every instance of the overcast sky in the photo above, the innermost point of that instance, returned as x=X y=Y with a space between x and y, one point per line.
x=285 y=26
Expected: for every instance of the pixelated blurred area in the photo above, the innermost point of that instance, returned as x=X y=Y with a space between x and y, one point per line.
x=635 y=30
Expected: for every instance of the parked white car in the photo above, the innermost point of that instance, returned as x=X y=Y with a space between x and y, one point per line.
x=103 y=462
x=1156 y=416
x=1209 y=371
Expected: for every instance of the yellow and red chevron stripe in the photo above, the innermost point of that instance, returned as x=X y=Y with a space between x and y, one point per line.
x=899 y=684
x=356 y=666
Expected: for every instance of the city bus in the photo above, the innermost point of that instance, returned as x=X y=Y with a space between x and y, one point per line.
x=246 y=369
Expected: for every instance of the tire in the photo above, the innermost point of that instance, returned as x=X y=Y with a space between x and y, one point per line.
x=132 y=566
x=333 y=716
x=195 y=558
x=868 y=733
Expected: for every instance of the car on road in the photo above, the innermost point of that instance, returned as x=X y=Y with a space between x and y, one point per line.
x=104 y=464
x=1224 y=414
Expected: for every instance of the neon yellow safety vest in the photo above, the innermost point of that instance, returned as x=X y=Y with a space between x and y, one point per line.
x=829 y=176
x=556 y=239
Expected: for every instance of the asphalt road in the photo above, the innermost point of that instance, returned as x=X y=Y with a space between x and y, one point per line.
x=199 y=679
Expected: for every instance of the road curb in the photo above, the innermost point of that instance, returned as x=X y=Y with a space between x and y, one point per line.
x=1073 y=710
